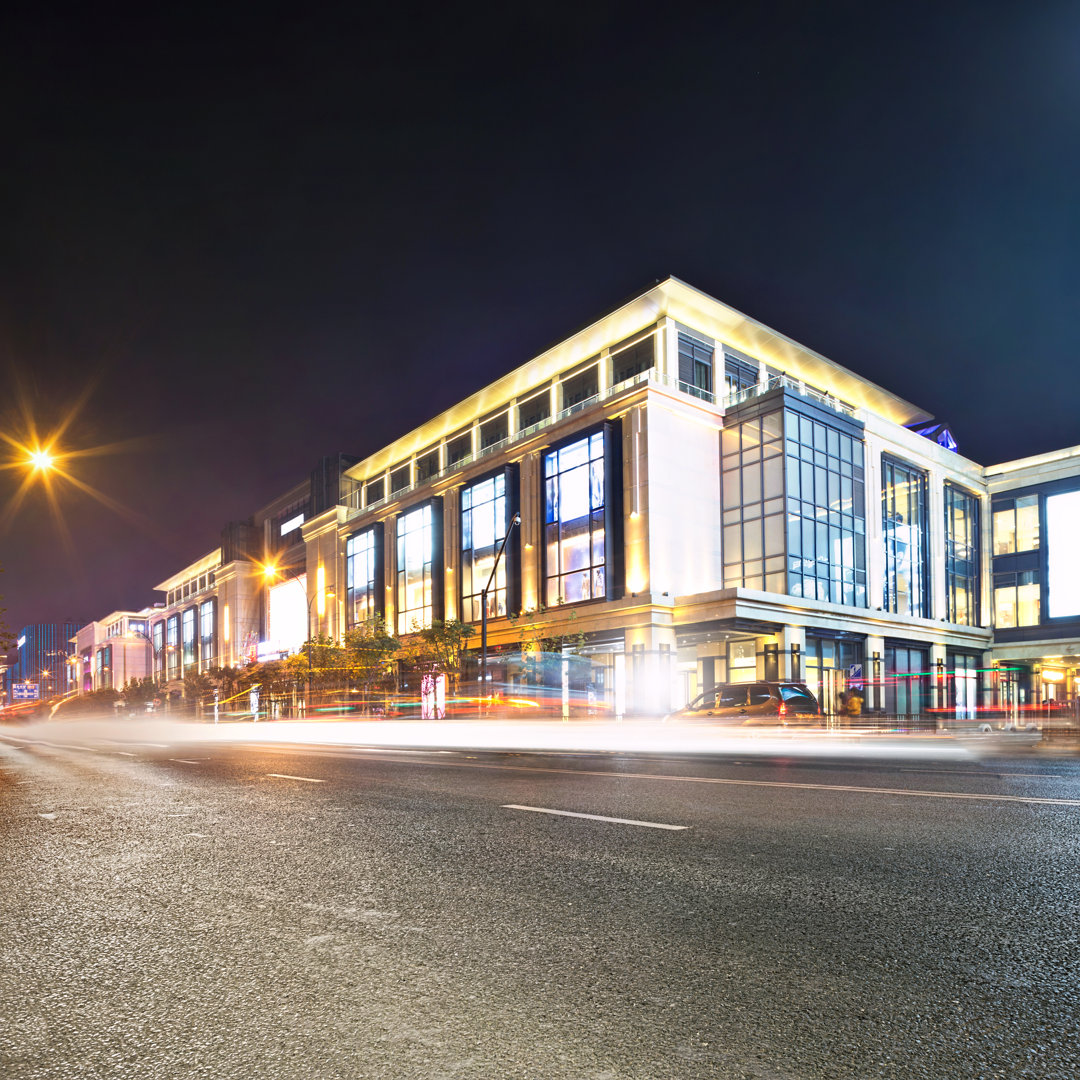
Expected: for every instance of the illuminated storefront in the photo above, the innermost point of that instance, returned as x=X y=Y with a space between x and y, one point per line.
x=419 y=567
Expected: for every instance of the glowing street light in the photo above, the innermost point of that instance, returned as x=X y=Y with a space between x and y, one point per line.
x=41 y=460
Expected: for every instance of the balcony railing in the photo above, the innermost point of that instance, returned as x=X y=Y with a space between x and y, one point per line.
x=796 y=386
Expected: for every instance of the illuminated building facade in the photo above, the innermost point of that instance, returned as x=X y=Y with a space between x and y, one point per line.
x=108 y=653
x=222 y=610
x=43 y=653
x=702 y=500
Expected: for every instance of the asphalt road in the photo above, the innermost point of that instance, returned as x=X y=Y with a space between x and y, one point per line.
x=191 y=910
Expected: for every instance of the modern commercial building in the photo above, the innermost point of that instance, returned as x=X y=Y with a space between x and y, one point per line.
x=43 y=654
x=224 y=610
x=111 y=652
x=688 y=498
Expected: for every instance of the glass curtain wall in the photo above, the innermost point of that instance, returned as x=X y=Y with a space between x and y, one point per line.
x=961 y=556
x=483 y=526
x=826 y=516
x=157 y=635
x=752 y=493
x=187 y=626
x=172 y=645
x=574 y=532
x=906 y=539
x=207 y=619
x=415 y=577
x=1016 y=599
x=363 y=574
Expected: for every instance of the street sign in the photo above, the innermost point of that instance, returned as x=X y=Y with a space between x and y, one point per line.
x=24 y=691
x=855 y=677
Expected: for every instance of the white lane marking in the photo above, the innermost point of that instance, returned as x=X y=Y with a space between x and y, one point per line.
x=124 y=753
x=184 y=761
x=159 y=745
x=286 y=776
x=595 y=817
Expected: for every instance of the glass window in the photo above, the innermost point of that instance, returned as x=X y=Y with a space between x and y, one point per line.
x=1016 y=599
x=738 y=375
x=157 y=635
x=630 y=360
x=400 y=479
x=362 y=576
x=172 y=645
x=742 y=661
x=427 y=465
x=415 y=578
x=695 y=367
x=580 y=387
x=375 y=491
x=483 y=526
x=494 y=430
x=961 y=556
x=574 y=538
x=1016 y=525
x=188 y=630
x=459 y=448
x=206 y=633
x=534 y=410
x=907 y=680
x=906 y=542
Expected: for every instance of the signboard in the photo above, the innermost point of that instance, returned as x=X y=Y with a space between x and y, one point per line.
x=24 y=691
x=854 y=677
x=1063 y=574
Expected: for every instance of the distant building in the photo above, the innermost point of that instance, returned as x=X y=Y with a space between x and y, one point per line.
x=43 y=657
x=110 y=652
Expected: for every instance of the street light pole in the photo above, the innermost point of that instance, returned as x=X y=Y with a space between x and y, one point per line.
x=516 y=520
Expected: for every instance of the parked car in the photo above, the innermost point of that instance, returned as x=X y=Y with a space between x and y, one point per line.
x=764 y=703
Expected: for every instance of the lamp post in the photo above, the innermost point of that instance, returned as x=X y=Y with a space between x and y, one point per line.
x=515 y=520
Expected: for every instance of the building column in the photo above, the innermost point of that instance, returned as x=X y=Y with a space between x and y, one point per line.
x=874 y=673
x=939 y=680
x=792 y=641
x=653 y=675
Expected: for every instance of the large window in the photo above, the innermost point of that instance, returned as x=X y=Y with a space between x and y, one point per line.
x=206 y=633
x=1016 y=525
x=1062 y=567
x=906 y=540
x=907 y=680
x=157 y=635
x=172 y=645
x=739 y=375
x=580 y=387
x=753 y=503
x=961 y=556
x=483 y=526
x=574 y=522
x=695 y=367
x=104 y=667
x=630 y=360
x=1016 y=599
x=363 y=576
x=826 y=516
x=415 y=577
x=187 y=626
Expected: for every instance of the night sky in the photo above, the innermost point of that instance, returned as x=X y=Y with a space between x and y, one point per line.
x=246 y=243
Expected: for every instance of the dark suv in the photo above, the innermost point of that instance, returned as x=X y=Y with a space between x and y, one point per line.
x=753 y=703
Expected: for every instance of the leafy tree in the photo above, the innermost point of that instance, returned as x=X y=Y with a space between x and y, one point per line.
x=369 y=653
x=197 y=687
x=545 y=639
x=138 y=692
x=439 y=648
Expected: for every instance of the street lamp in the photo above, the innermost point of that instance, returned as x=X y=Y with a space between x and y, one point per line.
x=516 y=520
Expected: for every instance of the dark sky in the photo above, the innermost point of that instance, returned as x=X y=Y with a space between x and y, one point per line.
x=256 y=241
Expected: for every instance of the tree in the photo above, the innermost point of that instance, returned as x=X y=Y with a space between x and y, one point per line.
x=197 y=687
x=440 y=647
x=545 y=641
x=138 y=692
x=369 y=653
x=6 y=637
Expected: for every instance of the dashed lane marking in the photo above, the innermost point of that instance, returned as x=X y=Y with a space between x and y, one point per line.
x=595 y=817
x=306 y=779
x=184 y=760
